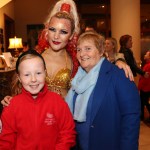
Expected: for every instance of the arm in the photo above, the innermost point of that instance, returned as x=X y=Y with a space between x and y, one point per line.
x=67 y=134
x=129 y=105
x=131 y=62
x=8 y=134
x=122 y=65
x=6 y=101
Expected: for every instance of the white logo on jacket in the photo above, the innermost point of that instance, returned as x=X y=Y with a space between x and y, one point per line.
x=49 y=120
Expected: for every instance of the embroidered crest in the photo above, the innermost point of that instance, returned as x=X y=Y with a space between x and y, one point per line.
x=50 y=119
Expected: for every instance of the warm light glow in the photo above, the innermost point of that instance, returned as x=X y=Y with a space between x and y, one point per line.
x=15 y=43
x=4 y=2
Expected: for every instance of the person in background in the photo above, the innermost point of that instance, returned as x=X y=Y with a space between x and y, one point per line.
x=25 y=47
x=104 y=103
x=144 y=88
x=125 y=48
x=36 y=118
x=89 y=28
x=111 y=50
x=114 y=57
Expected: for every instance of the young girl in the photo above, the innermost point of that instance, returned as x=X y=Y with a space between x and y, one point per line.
x=36 y=118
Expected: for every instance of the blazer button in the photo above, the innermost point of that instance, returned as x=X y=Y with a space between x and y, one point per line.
x=92 y=126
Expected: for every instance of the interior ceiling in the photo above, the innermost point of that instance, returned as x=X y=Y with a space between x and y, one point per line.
x=104 y=1
x=145 y=11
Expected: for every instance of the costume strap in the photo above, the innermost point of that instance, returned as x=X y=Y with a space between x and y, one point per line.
x=65 y=7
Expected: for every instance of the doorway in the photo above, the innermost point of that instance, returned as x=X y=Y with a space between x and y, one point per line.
x=9 y=28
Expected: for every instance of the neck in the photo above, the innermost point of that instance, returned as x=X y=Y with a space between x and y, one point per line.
x=110 y=54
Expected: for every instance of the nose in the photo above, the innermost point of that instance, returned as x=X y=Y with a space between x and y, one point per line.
x=33 y=78
x=56 y=35
x=82 y=52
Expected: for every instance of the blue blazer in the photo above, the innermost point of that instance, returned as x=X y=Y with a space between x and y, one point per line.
x=115 y=118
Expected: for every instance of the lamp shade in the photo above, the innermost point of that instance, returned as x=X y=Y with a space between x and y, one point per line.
x=15 y=43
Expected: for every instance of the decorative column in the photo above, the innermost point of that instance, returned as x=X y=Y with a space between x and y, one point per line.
x=125 y=19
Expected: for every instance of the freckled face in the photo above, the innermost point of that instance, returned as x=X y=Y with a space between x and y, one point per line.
x=88 y=55
x=59 y=33
x=32 y=75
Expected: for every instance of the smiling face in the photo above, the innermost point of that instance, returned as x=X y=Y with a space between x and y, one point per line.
x=59 y=33
x=87 y=54
x=32 y=75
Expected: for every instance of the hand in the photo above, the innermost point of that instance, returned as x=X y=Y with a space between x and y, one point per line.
x=6 y=101
x=126 y=68
x=146 y=75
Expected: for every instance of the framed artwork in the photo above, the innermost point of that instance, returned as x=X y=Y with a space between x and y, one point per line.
x=33 y=32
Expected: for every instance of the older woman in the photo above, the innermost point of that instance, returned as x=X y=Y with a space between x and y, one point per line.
x=104 y=103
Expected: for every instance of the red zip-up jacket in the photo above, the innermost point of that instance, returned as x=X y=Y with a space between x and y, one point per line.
x=44 y=123
x=144 y=83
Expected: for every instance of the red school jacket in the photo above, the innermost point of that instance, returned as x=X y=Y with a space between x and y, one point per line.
x=44 y=123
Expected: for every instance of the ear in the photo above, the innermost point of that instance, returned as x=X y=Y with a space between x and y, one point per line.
x=18 y=78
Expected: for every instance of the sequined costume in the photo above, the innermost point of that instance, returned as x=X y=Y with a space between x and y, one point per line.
x=60 y=81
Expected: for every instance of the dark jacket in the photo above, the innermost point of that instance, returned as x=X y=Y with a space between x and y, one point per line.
x=128 y=54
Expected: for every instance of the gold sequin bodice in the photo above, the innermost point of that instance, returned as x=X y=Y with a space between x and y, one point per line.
x=60 y=81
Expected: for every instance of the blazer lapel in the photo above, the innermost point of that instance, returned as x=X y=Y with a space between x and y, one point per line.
x=101 y=87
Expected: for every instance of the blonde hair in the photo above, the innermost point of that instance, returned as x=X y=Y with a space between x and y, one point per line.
x=114 y=43
x=98 y=40
x=72 y=15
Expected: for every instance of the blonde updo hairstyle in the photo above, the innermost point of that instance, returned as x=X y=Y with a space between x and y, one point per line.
x=72 y=15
